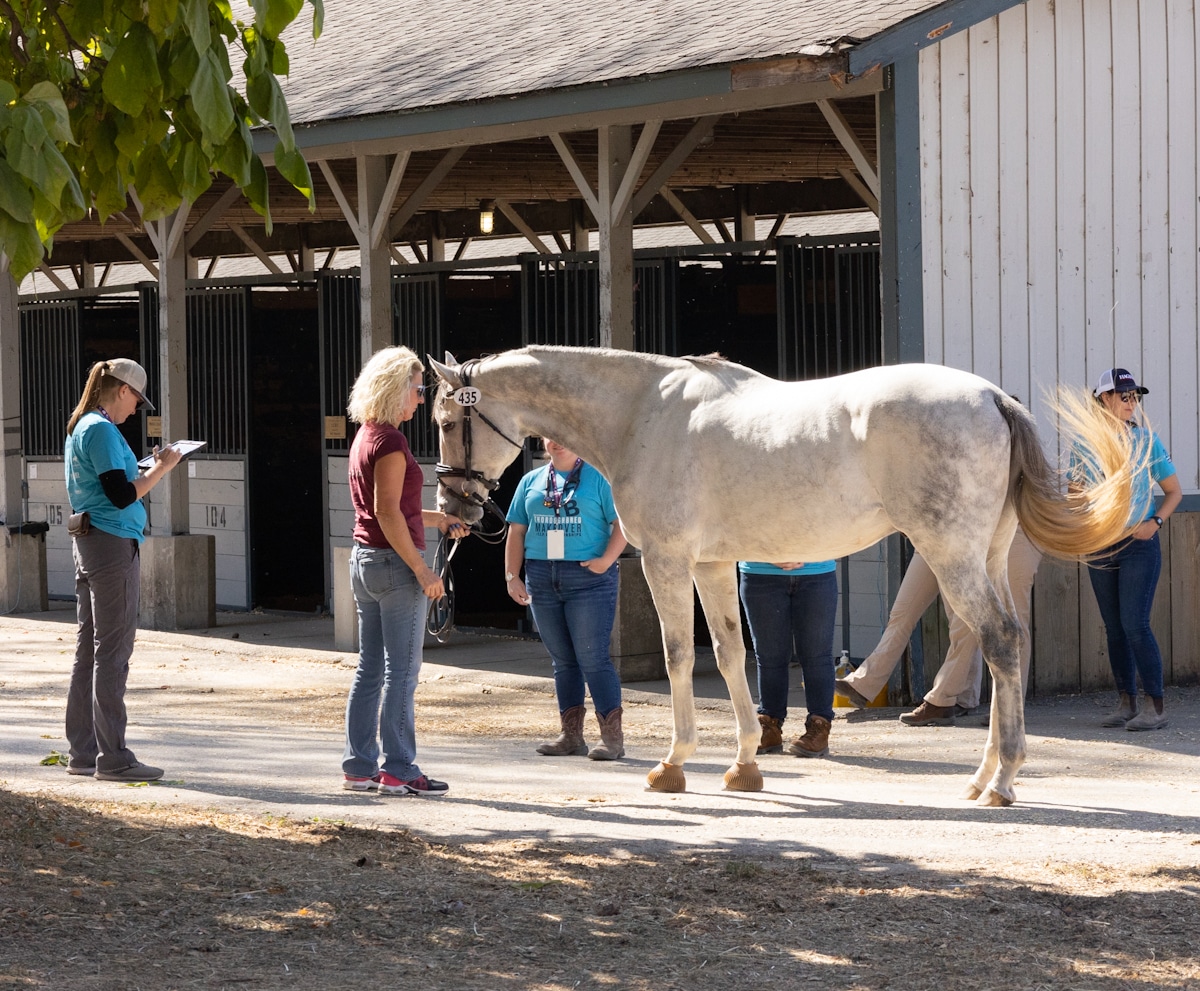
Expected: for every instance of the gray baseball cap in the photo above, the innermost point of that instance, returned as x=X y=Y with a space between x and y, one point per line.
x=133 y=375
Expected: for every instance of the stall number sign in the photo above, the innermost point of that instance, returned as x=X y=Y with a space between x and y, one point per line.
x=54 y=514
x=214 y=516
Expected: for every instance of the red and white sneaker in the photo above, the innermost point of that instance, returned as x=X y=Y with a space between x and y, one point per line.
x=389 y=785
x=352 y=782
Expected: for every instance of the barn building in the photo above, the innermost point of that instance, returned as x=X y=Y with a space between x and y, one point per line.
x=808 y=188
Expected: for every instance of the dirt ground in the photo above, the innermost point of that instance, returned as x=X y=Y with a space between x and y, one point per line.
x=110 y=888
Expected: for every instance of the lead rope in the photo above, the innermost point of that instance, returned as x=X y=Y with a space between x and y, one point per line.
x=439 y=620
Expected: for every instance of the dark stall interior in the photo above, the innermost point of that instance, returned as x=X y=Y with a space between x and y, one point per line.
x=284 y=462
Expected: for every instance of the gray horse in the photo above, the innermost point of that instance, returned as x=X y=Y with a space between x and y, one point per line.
x=712 y=463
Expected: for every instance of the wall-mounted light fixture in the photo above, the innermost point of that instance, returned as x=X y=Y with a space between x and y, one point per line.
x=487 y=216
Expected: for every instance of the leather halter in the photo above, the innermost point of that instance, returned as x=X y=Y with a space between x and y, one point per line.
x=466 y=472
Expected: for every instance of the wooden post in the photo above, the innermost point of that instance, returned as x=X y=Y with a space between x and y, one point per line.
x=10 y=397
x=376 y=259
x=616 y=241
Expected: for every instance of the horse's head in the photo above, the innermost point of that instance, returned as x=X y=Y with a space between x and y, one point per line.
x=478 y=437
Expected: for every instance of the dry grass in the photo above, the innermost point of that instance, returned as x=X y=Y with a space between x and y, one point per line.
x=100 y=897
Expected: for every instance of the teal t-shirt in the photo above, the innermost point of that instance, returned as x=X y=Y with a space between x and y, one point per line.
x=96 y=446
x=808 y=568
x=586 y=516
x=1084 y=470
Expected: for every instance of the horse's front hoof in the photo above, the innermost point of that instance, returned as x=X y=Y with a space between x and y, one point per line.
x=667 y=777
x=971 y=792
x=992 y=799
x=744 y=777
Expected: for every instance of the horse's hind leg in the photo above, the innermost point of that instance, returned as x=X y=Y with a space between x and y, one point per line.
x=987 y=609
x=670 y=582
x=717 y=585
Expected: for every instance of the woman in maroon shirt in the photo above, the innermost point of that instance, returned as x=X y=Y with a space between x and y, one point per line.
x=390 y=579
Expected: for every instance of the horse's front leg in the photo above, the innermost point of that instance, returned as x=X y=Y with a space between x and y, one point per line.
x=717 y=585
x=670 y=581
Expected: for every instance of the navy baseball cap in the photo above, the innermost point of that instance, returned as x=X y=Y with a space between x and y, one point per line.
x=1117 y=380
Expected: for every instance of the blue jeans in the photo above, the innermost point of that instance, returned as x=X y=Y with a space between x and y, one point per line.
x=792 y=613
x=574 y=611
x=391 y=634
x=1124 y=581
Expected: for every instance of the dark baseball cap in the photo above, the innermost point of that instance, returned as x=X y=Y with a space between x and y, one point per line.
x=1118 y=380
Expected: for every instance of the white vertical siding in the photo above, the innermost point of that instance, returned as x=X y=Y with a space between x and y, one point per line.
x=1059 y=148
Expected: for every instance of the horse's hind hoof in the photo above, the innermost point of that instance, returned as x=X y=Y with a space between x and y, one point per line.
x=744 y=777
x=667 y=777
x=971 y=792
x=993 y=799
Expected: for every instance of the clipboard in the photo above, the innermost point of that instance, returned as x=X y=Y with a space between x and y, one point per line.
x=184 y=447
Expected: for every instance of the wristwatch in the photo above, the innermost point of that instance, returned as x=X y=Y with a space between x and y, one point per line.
x=1158 y=520
x=509 y=576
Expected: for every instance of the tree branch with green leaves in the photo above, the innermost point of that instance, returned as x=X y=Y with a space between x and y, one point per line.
x=97 y=96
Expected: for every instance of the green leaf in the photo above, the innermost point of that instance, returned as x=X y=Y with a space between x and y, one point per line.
x=8 y=92
x=160 y=15
x=183 y=62
x=61 y=187
x=272 y=16
x=131 y=78
x=258 y=192
x=292 y=166
x=318 y=18
x=23 y=145
x=191 y=172
x=266 y=100
x=196 y=18
x=53 y=758
x=233 y=157
x=15 y=198
x=278 y=57
x=156 y=187
x=46 y=97
x=210 y=99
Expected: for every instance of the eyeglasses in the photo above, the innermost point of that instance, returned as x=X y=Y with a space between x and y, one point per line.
x=421 y=389
x=1129 y=397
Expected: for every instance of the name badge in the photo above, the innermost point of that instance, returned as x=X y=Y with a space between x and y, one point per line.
x=556 y=545
x=468 y=395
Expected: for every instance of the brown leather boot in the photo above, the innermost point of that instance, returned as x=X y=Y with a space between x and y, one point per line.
x=928 y=714
x=570 y=742
x=771 y=741
x=612 y=737
x=815 y=741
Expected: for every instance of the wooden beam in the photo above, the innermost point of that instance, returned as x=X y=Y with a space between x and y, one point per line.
x=380 y=224
x=560 y=241
x=698 y=132
x=719 y=224
x=462 y=247
x=854 y=147
x=339 y=195
x=516 y=220
x=147 y=227
x=214 y=213
x=803 y=69
x=416 y=250
x=397 y=257
x=137 y=253
x=48 y=272
x=253 y=245
x=175 y=227
x=686 y=215
x=855 y=183
x=637 y=161
x=567 y=154
x=418 y=196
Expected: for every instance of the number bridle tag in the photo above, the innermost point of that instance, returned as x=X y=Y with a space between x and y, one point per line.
x=468 y=395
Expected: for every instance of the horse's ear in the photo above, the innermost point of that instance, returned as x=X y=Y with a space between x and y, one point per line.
x=450 y=359
x=445 y=372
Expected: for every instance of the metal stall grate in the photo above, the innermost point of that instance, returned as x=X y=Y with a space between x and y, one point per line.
x=830 y=318
x=417 y=325
x=216 y=364
x=52 y=373
x=562 y=301
x=341 y=349
x=218 y=387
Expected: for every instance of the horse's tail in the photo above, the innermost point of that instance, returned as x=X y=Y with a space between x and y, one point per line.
x=1081 y=523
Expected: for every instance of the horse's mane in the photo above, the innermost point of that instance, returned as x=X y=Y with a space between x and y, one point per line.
x=712 y=358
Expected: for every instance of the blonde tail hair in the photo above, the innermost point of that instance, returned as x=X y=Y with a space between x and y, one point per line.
x=1094 y=515
x=99 y=383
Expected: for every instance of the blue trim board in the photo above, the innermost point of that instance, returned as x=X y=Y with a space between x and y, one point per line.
x=622 y=95
x=1190 y=504
x=925 y=29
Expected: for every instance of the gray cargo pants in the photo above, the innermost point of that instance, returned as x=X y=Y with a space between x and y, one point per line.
x=108 y=580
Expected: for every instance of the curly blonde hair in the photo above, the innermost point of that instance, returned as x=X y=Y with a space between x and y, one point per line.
x=378 y=393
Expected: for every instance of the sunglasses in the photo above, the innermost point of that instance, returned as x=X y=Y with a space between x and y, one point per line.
x=421 y=389
x=1129 y=397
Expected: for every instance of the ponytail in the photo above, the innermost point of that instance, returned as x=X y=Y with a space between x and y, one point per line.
x=99 y=383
